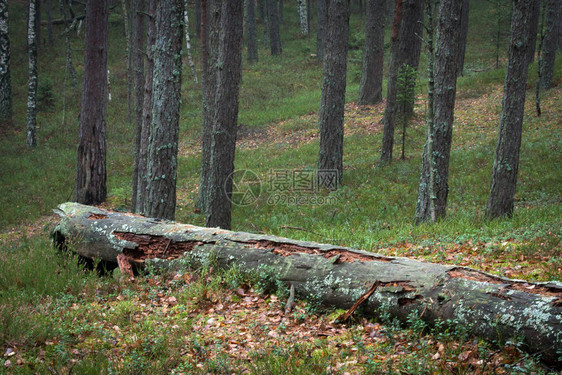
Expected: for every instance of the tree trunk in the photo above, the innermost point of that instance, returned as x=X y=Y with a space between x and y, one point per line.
x=162 y=153
x=142 y=154
x=463 y=36
x=198 y=18
x=5 y=80
x=488 y=306
x=139 y=46
x=30 y=139
x=274 y=32
x=536 y=11
x=332 y=102
x=251 y=31
x=67 y=28
x=370 y=88
x=129 y=59
x=405 y=50
x=49 y=24
x=425 y=206
x=506 y=162
x=225 y=116
x=210 y=28
x=303 y=16
x=445 y=71
x=548 y=54
x=188 y=42
x=321 y=29
x=91 y=170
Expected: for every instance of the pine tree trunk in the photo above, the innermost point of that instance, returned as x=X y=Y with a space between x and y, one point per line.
x=30 y=139
x=303 y=16
x=142 y=156
x=536 y=11
x=162 y=150
x=91 y=169
x=251 y=31
x=488 y=306
x=506 y=162
x=139 y=46
x=198 y=18
x=225 y=116
x=445 y=72
x=274 y=32
x=463 y=36
x=552 y=17
x=370 y=88
x=321 y=29
x=49 y=23
x=69 y=64
x=210 y=42
x=332 y=102
x=188 y=43
x=5 y=79
x=405 y=50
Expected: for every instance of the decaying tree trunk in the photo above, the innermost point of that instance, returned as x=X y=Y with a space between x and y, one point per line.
x=489 y=306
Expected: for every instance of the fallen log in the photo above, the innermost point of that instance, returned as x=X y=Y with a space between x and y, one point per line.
x=488 y=306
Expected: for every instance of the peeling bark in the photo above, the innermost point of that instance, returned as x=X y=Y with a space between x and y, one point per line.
x=489 y=306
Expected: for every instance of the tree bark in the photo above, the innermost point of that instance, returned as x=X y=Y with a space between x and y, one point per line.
x=251 y=31
x=303 y=16
x=405 y=50
x=225 y=116
x=445 y=71
x=139 y=46
x=322 y=6
x=67 y=28
x=488 y=306
x=31 y=139
x=5 y=79
x=370 y=88
x=274 y=32
x=210 y=28
x=162 y=160
x=546 y=64
x=142 y=153
x=332 y=102
x=506 y=162
x=463 y=36
x=91 y=169
x=536 y=11
x=49 y=24
x=188 y=42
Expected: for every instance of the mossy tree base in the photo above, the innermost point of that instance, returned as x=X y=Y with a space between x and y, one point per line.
x=488 y=306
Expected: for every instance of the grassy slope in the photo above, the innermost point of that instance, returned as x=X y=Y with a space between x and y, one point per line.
x=57 y=323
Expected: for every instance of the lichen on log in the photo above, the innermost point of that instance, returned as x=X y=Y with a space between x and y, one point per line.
x=488 y=306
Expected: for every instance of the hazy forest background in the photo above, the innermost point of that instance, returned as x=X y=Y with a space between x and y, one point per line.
x=79 y=322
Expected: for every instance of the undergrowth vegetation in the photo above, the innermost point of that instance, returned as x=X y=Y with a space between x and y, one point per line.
x=57 y=317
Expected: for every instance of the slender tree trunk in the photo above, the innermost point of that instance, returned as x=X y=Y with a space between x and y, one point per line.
x=506 y=162
x=162 y=160
x=463 y=36
x=188 y=42
x=281 y=12
x=69 y=64
x=146 y=107
x=332 y=103
x=536 y=11
x=49 y=24
x=38 y=22
x=425 y=207
x=405 y=50
x=210 y=29
x=445 y=72
x=303 y=16
x=5 y=79
x=129 y=59
x=321 y=27
x=225 y=116
x=198 y=18
x=274 y=32
x=262 y=14
x=251 y=31
x=30 y=139
x=139 y=47
x=91 y=169
x=370 y=88
x=546 y=63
